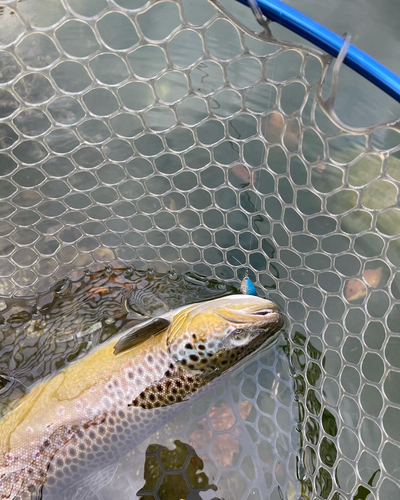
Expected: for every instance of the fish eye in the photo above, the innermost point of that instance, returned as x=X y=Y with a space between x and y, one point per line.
x=239 y=336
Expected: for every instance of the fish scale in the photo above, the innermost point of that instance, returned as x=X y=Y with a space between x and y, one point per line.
x=99 y=407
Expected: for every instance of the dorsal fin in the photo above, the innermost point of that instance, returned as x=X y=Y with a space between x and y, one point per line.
x=140 y=334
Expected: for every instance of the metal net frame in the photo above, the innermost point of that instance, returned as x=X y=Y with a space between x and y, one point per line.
x=167 y=136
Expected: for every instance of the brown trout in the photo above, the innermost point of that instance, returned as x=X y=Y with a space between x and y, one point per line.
x=96 y=409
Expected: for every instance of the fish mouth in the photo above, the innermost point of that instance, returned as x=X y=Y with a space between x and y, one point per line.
x=269 y=316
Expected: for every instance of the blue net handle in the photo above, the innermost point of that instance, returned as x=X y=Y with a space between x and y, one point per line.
x=330 y=42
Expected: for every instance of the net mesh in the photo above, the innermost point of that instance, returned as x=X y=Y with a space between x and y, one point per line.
x=167 y=134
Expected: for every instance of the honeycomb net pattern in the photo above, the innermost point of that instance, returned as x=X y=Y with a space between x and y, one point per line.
x=168 y=134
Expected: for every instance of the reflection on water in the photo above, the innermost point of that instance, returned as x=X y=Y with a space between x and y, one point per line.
x=173 y=474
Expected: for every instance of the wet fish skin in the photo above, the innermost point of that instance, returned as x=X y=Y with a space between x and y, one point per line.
x=95 y=410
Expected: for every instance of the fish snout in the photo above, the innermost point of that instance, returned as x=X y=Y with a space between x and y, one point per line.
x=269 y=315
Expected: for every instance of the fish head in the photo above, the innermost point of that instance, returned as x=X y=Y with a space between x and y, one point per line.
x=213 y=336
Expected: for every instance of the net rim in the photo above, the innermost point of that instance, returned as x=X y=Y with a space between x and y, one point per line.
x=365 y=65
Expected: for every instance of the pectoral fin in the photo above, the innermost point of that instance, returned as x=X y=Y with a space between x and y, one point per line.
x=140 y=334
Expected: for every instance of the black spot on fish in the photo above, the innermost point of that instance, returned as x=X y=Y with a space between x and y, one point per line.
x=188 y=346
x=202 y=347
x=159 y=388
x=152 y=397
x=194 y=357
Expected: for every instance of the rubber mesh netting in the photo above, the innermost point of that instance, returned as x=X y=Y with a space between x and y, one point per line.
x=167 y=134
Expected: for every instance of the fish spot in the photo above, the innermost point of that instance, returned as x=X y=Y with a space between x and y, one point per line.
x=59 y=462
x=150 y=358
x=194 y=357
x=178 y=383
x=159 y=388
x=152 y=397
x=183 y=362
x=202 y=347
x=191 y=366
x=188 y=346
x=140 y=371
x=167 y=373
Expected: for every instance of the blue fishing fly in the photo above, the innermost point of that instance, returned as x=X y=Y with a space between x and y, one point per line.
x=247 y=287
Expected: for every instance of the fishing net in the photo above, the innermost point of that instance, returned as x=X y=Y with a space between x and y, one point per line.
x=169 y=134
